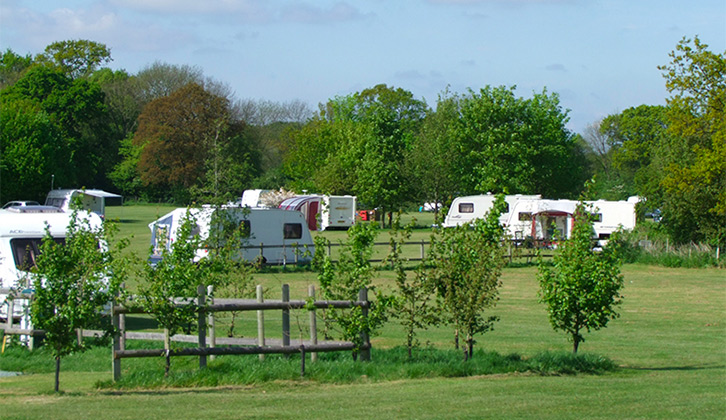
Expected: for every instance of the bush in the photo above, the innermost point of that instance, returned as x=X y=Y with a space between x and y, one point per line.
x=648 y=243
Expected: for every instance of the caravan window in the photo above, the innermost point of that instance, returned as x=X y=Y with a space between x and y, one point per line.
x=245 y=227
x=26 y=250
x=525 y=216
x=292 y=230
x=596 y=217
x=466 y=207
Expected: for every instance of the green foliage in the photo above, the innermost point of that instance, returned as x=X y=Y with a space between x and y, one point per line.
x=12 y=66
x=344 y=280
x=76 y=110
x=582 y=287
x=73 y=282
x=76 y=58
x=415 y=304
x=467 y=263
x=169 y=288
x=33 y=149
x=515 y=144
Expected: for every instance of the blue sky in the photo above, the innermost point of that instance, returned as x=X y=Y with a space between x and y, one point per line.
x=600 y=56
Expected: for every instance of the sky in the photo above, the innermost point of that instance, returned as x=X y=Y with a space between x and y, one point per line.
x=601 y=57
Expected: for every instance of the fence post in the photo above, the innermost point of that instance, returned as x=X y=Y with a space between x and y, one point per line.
x=365 y=353
x=423 y=254
x=262 y=251
x=286 y=316
x=122 y=326
x=313 y=325
x=260 y=322
x=210 y=321
x=115 y=362
x=202 y=322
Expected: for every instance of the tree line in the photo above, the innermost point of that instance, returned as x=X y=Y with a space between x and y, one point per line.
x=168 y=133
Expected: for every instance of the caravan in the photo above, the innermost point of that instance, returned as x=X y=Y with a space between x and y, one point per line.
x=91 y=200
x=547 y=219
x=22 y=230
x=278 y=236
x=469 y=208
x=324 y=212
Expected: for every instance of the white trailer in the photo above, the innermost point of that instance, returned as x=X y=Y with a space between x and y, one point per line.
x=338 y=212
x=22 y=230
x=612 y=215
x=280 y=236
x=324 y=211
x=90 y=200
x=469 y=208
x=251 y=198
x=546 y=219
x=541 y=219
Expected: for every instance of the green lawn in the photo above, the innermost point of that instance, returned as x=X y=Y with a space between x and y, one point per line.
x=670 y=342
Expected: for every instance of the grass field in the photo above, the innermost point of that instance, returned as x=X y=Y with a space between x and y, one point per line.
x=670 y=344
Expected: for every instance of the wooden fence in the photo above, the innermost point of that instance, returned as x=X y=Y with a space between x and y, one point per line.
x=416 y=250
x=207 y=346
x=206 y=307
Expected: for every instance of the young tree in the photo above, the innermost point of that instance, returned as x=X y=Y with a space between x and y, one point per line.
x=467 y=265
x=176 y=275
x=582 y=288
x=344 y=280
x=415 y=299
x=73 y=282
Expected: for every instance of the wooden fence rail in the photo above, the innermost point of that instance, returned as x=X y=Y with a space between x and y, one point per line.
x=205 y=320
x=515 y=249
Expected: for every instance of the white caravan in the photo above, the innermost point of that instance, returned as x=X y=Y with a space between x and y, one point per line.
x=324 y=211
x=547 y=219
x=611 y=215
x=21 y=233
x=251 y=198
x=338 y=212
x=541 y=219
x=91 y=200
x=280 y=236
x=469 y=208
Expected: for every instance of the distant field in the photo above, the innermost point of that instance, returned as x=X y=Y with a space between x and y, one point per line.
x=670 y=343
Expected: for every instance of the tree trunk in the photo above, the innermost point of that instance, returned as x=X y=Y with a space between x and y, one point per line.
x=456 y=339
x=470 y=344
x=57 y=373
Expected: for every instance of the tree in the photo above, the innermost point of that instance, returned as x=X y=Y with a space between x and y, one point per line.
x=638 y=140
x=431 y=162
x=176 y=276
x=76 y=58
x=517 y=145
x=415 y=304
x=344 y=281
x=76 y=110
x=73 y=282
x=694 y=182
x=192 y=147
x=467 y=264
x=582 y=288
x=12 y=67
x=33 y=150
